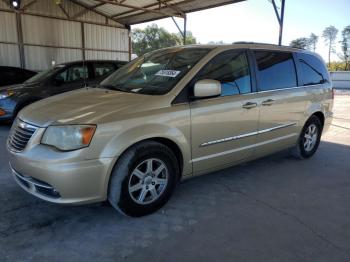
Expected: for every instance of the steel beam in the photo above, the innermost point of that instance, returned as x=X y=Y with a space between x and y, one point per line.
x=136 y=8
x=281 y=24
x=280 y=18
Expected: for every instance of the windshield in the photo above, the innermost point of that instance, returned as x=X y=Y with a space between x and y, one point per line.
x=155 y=73
x=43 y=75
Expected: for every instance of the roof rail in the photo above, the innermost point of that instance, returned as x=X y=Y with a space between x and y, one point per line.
x=259 y=43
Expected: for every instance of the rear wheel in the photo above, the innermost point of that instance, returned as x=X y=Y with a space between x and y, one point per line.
x=309 y=139
x=143 y=179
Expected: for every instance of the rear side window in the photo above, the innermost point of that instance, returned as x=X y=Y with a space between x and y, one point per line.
x=313 y=71
x=102 y=69
x=73 y=73
x=276 y=70
x=231 y=68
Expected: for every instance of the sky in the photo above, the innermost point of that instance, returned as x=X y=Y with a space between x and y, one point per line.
x=255 y=20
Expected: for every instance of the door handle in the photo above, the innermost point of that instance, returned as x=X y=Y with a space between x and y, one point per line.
x=249 y=105
x=268 y=102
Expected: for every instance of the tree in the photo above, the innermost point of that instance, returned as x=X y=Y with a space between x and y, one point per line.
x=345 y=47
x=154 y=37
x=190 y=39
x=216 y=43
x=301 y=42
x=313 y=39
x=330 y=34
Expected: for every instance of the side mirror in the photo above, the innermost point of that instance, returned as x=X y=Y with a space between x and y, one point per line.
x=207 y=88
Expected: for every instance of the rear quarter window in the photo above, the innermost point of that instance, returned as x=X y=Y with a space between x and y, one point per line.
x=312 y=70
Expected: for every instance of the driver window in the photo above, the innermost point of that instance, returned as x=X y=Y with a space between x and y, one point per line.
x=231 y=68
x=73 y=73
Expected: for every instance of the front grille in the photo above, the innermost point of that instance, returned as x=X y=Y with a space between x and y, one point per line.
x=20 y=135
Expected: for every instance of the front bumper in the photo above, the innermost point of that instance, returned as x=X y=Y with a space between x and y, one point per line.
x=7 y=109
x=56 y=178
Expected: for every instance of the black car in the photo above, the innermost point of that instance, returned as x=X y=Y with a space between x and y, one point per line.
x=62 y=78
x=13 y=75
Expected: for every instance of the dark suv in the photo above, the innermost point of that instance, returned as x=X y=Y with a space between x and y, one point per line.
x=62 y=78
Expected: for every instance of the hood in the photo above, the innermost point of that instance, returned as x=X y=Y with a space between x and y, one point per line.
x=87 y=106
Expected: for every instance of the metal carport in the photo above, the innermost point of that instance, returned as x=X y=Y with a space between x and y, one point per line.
x=42 y=31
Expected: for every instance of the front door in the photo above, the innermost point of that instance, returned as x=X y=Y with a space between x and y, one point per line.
x=224 y=128
x=73 y=77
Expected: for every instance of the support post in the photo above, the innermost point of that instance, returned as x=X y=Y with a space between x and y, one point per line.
x=20 y=39
x=281 y=23
x=130 y=42
x=185 y=29
x=184 y=32
x=83 y=40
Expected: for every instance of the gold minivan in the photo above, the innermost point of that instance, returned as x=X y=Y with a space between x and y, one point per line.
x=166 y=116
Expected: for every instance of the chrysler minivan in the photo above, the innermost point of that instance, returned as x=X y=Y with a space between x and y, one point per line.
x=169 y=115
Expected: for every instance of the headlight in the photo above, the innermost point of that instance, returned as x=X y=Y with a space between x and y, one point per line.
x=6 y=94
x=70 y=137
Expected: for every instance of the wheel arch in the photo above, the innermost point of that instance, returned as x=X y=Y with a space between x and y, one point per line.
x=320 y=116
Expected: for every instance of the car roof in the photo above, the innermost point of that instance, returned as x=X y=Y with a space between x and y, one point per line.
x=247 y=45
x=250 y=45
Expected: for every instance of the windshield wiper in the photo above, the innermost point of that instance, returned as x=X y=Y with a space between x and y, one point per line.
x=114 y=88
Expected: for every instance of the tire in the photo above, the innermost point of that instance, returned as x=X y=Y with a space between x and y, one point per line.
x=143 y=179
x=309 y=140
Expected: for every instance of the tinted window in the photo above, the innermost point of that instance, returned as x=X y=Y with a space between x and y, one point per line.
x=42 y=76
x=102 y=69
x=276 y=70
x=73 y=73
x=231 y=68
x=313 y=71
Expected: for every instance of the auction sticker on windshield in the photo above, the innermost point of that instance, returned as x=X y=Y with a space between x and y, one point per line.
x=168 y=73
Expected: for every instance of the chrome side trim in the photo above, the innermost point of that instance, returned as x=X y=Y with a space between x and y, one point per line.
x=227 y=139
x=243 y=148
x=280 y=89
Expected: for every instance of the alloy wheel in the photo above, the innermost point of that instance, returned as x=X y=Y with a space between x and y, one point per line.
x=148 y=181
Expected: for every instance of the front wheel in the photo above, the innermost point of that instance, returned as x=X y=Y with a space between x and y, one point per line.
x=143 y=179
x=309 y=139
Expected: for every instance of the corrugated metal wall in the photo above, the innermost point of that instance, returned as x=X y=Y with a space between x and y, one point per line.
x=9 y=53
x=341 y=79
x=47 y=39
x=107 y=38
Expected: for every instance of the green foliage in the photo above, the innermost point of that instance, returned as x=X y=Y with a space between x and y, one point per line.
x=302 y=43
x=305 y=42
x=337 y=66
x=330 y=34
x=345 y=47
x=313 y=39
x=153 y=37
